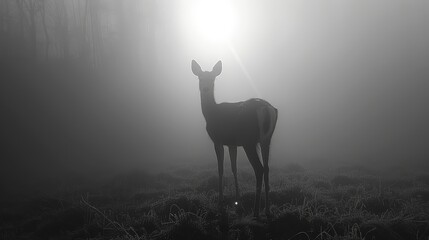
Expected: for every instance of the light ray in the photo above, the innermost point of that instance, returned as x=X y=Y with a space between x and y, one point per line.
x=244 y=69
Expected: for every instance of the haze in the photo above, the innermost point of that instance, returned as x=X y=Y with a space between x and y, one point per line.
x=99 y=87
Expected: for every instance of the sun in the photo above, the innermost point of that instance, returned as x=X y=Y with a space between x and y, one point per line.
x=213 y=21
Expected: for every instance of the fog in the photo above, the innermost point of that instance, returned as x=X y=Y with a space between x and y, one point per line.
x=95 y=88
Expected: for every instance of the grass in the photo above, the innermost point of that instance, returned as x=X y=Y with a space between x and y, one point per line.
x=182 y=204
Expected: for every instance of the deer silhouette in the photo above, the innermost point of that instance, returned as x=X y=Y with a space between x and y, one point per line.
x=248 y=124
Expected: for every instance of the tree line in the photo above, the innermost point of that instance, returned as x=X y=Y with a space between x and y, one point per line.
x=86 y=31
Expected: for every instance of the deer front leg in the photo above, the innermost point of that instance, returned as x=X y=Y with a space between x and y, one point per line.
x=233 y=156
x=219 y=154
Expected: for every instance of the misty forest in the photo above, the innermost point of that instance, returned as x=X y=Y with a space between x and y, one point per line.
x=214 y=119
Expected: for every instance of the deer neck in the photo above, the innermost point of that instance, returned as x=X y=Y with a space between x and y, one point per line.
x=208 y=105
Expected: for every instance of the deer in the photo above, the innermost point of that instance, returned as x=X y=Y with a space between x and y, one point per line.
x=249 y=124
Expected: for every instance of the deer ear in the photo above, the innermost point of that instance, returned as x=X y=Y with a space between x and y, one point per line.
x=196 y=68
x=217 y=69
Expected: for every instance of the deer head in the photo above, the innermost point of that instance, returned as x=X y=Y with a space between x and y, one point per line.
x=206 y=78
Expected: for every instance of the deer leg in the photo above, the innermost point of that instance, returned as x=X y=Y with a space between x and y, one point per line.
x=252 y=154
x=219 y=154
x=233 y=156
x=265 y=151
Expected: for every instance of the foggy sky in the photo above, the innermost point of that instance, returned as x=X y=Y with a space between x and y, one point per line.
x=350 y=80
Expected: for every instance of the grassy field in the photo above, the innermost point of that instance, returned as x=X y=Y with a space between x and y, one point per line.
x=345 y=203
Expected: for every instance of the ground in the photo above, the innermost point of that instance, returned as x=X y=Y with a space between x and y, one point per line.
x=351 y=202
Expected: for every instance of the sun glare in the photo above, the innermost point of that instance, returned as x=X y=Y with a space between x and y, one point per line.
x=213 y=21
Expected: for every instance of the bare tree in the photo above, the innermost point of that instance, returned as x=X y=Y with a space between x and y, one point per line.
x=29 y=11
x=43 y=7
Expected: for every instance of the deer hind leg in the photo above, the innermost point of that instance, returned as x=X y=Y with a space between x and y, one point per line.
x=265 y=152
x=252 y=154
x=267 y=119
x=220 y=154
x=233 y=157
